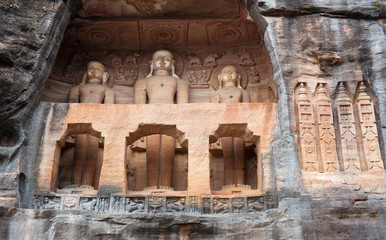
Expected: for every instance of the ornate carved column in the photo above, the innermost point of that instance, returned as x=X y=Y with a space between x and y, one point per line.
x=326 y=130
x=347 y=130
x=307 y=134
x=369 y=130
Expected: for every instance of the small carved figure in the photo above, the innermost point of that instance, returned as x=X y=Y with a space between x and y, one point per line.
x=255 y=76
x=131 y=59
x=238 y=205
x=176 y=205
x=246 y=59
x=156 y=204
x=103 y=205
x=134 y=205
x=117 y=204
x=210 y=60
x=116 y=59
x=193 y=204
x=254 y=205
x=69 y=202
x=51 y=203
x=162 y=85
x=37 y=202
x=194 y=60
x=88 y=204
x=219 y=207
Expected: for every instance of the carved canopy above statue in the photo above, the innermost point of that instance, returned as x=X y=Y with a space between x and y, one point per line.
x=157 y=33
x=140 y=8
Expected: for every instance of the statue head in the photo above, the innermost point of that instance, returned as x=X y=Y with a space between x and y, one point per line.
x=95 y=73
x=162 y=63
x=229 y=77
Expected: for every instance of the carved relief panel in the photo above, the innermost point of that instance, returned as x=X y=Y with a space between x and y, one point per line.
x=326 y=130
x=347 y=130
x=199 y=68
x=306 y=127
x=369 y=129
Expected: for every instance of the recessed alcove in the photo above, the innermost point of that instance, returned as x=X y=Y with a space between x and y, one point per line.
x=156 y=159
x=79 y=160
x=235 y=165
x=202 y=44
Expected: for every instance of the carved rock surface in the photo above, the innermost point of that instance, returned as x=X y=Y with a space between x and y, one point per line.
x=315 y=45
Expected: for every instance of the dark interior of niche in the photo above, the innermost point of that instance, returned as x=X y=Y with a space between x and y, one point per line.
x=136 y=165
x=217 y=168
x=80 y=162
x=9 y=136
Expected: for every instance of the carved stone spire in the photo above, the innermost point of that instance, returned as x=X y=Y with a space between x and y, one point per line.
x=321 y=93
x=362 y=92
x=302 y=94
x=341 y=95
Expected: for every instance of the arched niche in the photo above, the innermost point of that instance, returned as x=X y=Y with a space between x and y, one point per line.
x=156 y=159
x=235 y=163
x=79 y=161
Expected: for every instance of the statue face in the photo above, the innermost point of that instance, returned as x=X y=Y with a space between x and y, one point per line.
x=229 y=74
x=95 y=71
x=162 y=60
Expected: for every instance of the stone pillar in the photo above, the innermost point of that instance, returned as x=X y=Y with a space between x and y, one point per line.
x=369 y=130
x=198 y=166
x=307 y=133
x=113 y=172
x=347 y=130
x=326 y=131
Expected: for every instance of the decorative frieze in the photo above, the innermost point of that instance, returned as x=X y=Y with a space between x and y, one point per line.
x=154 y=204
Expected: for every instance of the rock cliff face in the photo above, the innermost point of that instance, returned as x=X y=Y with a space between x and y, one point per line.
x=309 y=41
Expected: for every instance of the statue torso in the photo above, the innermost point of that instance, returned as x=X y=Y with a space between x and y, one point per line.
x=161 y=89
x=91 y=93
x=230 y=95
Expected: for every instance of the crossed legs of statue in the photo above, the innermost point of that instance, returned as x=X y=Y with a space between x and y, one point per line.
x=233 y=151
x=160 y=156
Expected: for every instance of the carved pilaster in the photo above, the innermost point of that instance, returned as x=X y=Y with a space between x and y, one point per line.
x=326 y=130
x=307 y=134
x=369 y=130
x=347 y=130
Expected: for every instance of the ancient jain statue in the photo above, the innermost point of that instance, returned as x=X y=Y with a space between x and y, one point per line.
x=162 y=85
x=230 y=92
x=92 y=89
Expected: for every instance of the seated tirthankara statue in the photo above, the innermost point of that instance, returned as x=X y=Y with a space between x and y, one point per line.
x=161 y=86
x=84 y=165
x=230 y=92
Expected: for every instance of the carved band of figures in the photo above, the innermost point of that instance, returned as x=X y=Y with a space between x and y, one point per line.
x=155 y=204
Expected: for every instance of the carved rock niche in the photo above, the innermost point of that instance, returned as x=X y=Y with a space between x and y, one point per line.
x=234 y=160
x=200 y=49
x=157 y=159
x=80 y=160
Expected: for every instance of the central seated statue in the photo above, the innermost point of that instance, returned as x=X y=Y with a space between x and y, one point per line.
x=162 y=85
